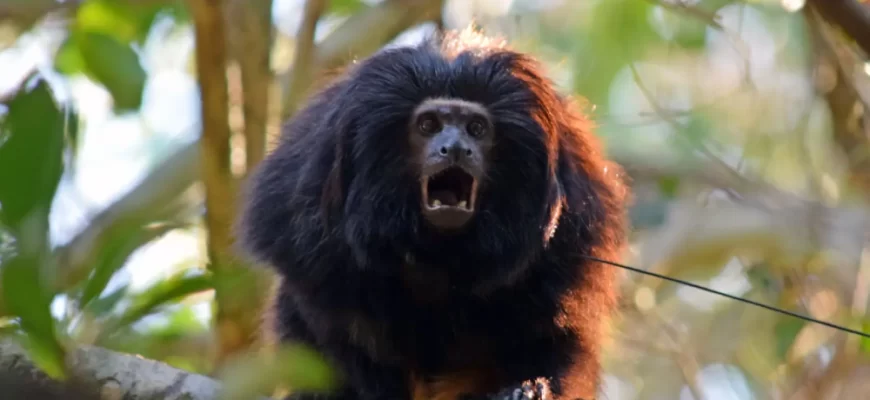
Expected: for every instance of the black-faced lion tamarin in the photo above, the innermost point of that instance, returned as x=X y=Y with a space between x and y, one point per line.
x=428 y=213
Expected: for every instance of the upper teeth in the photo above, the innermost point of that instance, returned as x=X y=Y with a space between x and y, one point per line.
x=461 y=204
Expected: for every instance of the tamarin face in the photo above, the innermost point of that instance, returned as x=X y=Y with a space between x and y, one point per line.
x=451 y=140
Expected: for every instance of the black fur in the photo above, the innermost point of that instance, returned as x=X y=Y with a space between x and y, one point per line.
x=397 y=305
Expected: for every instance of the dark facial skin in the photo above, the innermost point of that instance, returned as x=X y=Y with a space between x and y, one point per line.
x=452 y=139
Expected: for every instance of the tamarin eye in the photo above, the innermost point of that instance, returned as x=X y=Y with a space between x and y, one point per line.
x=429 y=124
x=476 y=128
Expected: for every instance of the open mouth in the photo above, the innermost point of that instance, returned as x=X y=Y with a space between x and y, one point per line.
x=451 y=188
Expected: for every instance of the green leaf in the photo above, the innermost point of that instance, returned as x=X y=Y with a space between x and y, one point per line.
x=114 y=255
x=105 y=304
x=99 y=46
x=297 y=366
x=126 y=21
x=26 y=298
x=619 y=33
x=786 y=330
x=178 y=286
x=690 y=22
x=698 y=130
x=9 y=327
x=69 y=59
x=116 y=66
x=669 y=185
x=32 y=140
x=180 y=322
x=346 y=7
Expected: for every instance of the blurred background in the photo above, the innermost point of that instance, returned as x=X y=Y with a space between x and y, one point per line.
x=127 y=128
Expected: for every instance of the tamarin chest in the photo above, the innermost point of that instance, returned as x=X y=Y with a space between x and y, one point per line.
x=423 y=285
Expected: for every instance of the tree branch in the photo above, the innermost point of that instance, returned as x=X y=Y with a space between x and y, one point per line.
x=238 y=289
x=850 y=15
x=249 y=27
x=98 y=373
x=848 y=97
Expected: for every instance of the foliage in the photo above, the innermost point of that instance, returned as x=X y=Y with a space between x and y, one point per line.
x=100 y=45
x=31 y=164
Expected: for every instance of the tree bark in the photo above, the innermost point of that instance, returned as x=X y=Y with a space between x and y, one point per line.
x=852 y=16
x=249 y=29
x=100 y=374
x=238 y=290
x=848 y=95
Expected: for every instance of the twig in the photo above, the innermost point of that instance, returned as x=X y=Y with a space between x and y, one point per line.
x=737 y=177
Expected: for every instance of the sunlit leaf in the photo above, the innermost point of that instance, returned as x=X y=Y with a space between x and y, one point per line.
x=786 y=330
x=865 y=342
x=32 y=140
x=180 y=285
x=9 y=327
x=180 y=322
x=689 y=22
x=126 y=21
x=103 y=305
x=346 y=7
x=180 y=339
x=296 y=367
x=116 y=66
x=69 y=59
x=669 y=186
x=698 y=129
x=620 y=32
x=99 y=45
x=114 y=255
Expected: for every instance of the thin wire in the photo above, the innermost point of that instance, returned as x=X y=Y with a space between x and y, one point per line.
x=747 y=301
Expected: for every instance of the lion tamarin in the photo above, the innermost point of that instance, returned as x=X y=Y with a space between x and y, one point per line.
x=428 y=213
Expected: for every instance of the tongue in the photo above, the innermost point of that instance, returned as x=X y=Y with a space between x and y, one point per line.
x=446 y=197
